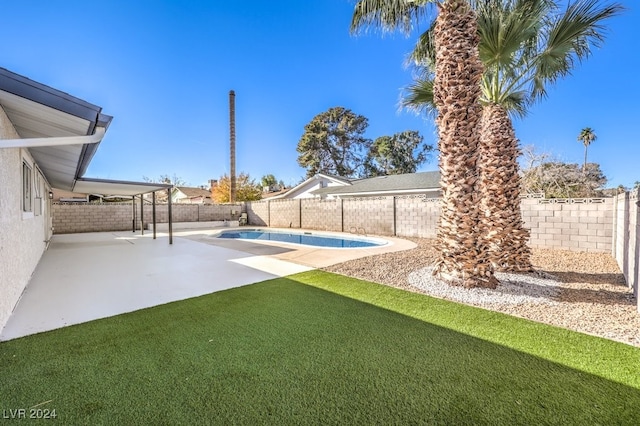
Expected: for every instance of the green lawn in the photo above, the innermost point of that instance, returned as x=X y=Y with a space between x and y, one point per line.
x=318 y=348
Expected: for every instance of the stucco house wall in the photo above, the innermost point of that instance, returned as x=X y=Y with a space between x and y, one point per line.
x=23 y=235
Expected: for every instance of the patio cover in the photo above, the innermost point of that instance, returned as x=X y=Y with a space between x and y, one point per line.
x=127 y=189
x=117 y=187
x=62 y=133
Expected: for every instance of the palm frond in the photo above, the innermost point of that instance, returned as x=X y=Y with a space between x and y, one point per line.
x=516 y=103
x=570 y=38
x=505 y=27
x=525 y=46
x=387 y=15
x=424 y=53
x=418 y=97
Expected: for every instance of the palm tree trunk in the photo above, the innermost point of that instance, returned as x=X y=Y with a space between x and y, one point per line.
x=506 y=237
x=232 y=146
x=584 y=165
x=463 y=253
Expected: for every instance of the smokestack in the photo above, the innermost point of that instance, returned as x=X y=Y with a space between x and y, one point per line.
x=232 y=145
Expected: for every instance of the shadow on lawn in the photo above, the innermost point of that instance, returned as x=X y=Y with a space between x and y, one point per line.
x=285 y=351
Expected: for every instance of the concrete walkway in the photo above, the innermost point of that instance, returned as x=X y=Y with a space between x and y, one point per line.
x=83 y=277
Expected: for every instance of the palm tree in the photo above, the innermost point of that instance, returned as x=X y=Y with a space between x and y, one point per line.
x=232 y=146
x=456 y=90
x=586 y=137
x=525 y=45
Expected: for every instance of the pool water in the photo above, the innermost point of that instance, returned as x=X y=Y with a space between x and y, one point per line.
x=305 y=238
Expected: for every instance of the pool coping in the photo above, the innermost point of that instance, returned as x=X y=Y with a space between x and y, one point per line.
x=315 y=257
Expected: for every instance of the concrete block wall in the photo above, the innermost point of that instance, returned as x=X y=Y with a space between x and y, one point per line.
x=195 y=212
x=214 y=212
x=570 y=225
x=626 y=248
x=621 y=230
x=553 y=224
x=417 y=216
x=69 y=218
x=180 y=212
x=369 y=215
x=258 y=213
x=284 y=213
x=634 y=243
x=562 y=224
x=324 y=215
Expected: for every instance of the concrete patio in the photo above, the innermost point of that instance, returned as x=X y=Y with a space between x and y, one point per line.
x=83 y=277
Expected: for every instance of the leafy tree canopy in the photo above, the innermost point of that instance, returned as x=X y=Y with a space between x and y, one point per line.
x=268 y=180
x=246 y=189
x=401 y=153
x=333 y=142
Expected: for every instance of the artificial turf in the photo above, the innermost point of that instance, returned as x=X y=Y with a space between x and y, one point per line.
x=319 y=348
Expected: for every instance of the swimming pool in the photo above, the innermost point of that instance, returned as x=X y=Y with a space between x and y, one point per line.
x=303 y=238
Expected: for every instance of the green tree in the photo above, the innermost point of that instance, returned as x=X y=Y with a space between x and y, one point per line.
x=525 y=46
x=456 y=91
x=333 y=142
x=401 y=153
x=246 y=189
x=586 y=136
x=268 y=180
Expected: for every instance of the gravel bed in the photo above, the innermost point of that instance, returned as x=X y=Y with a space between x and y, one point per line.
x=513 y=289
x=584 y=292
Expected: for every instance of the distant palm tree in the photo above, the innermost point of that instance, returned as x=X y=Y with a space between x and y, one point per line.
x=586 y=137
x=525 y=46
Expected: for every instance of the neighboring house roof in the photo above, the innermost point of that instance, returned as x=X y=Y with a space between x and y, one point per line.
x=269 y=195
x=337 y=180
x=193 y=192
x=409 y=183
x=341 y=179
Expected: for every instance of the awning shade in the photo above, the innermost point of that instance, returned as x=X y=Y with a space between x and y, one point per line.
x=117 y=187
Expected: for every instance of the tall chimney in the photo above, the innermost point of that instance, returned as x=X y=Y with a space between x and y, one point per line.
x=232 y=145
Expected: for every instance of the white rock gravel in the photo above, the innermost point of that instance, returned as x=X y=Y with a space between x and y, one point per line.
x=513 y=289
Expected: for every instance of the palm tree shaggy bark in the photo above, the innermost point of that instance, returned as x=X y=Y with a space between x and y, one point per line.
x=506 y=237
x=463 y=252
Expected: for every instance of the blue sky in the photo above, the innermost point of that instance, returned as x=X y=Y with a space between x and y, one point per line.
x=164 y=69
